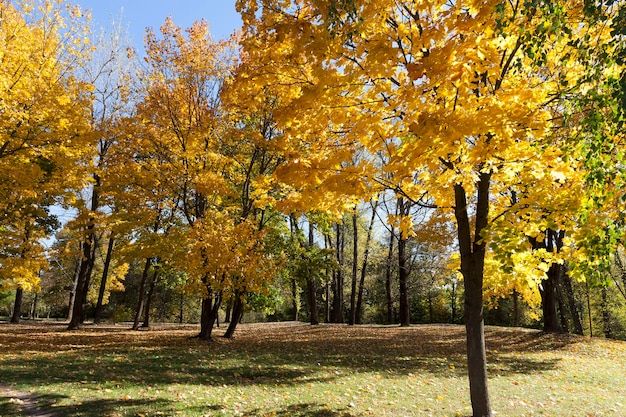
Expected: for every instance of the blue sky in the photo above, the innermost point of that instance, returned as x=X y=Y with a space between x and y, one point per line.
x=139 y=14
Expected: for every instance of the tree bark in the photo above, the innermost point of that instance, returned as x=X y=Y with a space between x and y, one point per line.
x=83 y=281
x=86 y=266
x=17 y=305
x=573 y=307
x=388 y=278
x=294 y=299
x=311 y=285
x=355 y=260
x=238 y=305
x=368 y=241
x=74 y=285
x=105 y=273
x=338 y=281
x=228 y=311
x=515 y=308
x=142 y=289
x=181 y=308
x=153 y=281
x=33 y=310
x=472 y=253
x=403 y=269
x=606 y=315
x=208 y=316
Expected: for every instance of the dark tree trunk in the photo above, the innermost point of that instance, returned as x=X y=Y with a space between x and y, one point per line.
x=589 y=317
x=228 y=312
x=515 y=308
x=153 y=281
x=181 y=308
x=403 y=268
x=453 y=301
x=294 y=299
x=548 y=305
x=368 y=241
x=86 y=266
x=238 y=305
x=33 y=309
x=388 y=278
x=355 y=260
x=548 y=287
x=17 y=305
x=330 y=276
x=573 y=307
x=606 y=315
x=142 y=289
x=105 y=273
x=338 y=281
x=312 y=297
x=74 y=285
x=311 y=285
x=472 y=253
x=208 y=316
x=561 y=301
x=82 y=283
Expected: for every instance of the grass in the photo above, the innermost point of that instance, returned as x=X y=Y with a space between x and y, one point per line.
x=292 y=369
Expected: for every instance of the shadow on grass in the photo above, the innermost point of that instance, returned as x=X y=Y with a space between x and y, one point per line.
x=295 y=410
x=269 y=354
x=8 y=409
x=258 y=355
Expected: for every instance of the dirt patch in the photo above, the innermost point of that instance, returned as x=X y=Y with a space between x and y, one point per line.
x=28 y=404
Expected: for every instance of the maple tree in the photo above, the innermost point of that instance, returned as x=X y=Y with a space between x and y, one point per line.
x=461 y=97
x=43 y=124
x=205 y=148
x=109 y=72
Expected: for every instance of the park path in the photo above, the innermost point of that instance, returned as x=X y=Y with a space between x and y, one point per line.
x=27 y=403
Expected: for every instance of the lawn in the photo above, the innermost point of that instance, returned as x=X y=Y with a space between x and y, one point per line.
x=292 y=369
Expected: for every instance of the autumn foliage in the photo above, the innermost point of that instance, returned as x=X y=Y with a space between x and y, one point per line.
x=502 y=119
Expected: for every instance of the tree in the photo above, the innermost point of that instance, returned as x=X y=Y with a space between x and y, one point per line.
x=461 y=97
x=44 y=119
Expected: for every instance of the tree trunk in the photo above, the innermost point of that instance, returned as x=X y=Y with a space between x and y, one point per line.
x=86 y=266
x=82 y=283
x=181 y=308
x=146 y=318
x=561 y=301
x=228 y=312
x=388 y=278
x=368 y=241
x=210 y=310
x=548 y=303
x=338 y=281
x=472 y=253
x=548 y=287
x=72 y=301
x=33 y=309
x=589 y=316
x=606 y=316
x=573 y=307
x=330 y=279
x=403 y=269
x=142 y=289
x=294 y=299
x=355 y=260
x=453 y=292
x=17 y=306
x=515 y=308
x=105 y=272
x=311 y=285
x=236 y=318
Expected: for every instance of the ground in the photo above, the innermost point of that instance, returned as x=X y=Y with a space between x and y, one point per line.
x=293 y=369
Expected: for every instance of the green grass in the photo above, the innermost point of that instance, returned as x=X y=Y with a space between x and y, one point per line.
x=292 y=369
